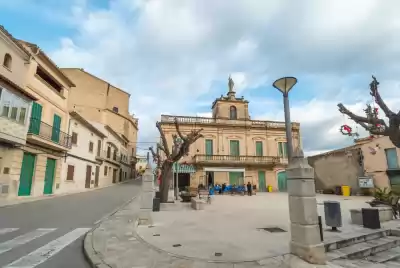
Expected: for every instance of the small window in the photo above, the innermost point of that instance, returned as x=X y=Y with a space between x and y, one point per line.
x=7 y=62
x=115 y=109
x=232 y=113
x=22 y=115
x=105 y=171
x=70 y=173
x=91 y=147
x=5 y=109
x=74 y=138
x=14 y=112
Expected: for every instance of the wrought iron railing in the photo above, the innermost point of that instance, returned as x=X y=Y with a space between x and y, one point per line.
x=48 y=132
x=208 y=120
x=240 y=158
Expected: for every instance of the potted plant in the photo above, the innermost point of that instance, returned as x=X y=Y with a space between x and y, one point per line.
x=186 y=195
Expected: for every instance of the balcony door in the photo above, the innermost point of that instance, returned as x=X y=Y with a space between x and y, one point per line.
x=234 y=149
x=36 y=118
x=55 y=134
x=259 y=148
x=209 y=149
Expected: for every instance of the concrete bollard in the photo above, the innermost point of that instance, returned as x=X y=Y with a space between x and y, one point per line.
x=146 y=198
x=305 y=234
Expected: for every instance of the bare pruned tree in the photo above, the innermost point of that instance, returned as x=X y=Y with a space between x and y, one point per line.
x=371 y=122
x=180 y=147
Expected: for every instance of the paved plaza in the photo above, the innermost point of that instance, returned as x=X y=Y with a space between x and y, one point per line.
x=226 y=234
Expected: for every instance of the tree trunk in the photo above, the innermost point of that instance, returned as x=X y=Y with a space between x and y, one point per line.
x=166 y=176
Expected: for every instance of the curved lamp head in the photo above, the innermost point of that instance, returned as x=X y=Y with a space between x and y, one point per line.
x=285 y=84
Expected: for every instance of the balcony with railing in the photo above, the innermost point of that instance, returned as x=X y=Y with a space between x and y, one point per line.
x=109 y=156
x=220 y=121
x=240 y=160
x=49 y=136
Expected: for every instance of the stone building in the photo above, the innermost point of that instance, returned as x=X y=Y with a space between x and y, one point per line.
x=99 y=101
x=373 y=157
x=235 y=149
x=15 y=109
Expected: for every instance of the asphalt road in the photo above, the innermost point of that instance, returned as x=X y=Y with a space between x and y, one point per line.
x=49 y=233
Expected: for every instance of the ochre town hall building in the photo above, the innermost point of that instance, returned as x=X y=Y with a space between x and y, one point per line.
x=235 y=149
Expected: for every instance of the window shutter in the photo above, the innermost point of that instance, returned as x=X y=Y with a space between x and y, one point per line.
x=74 y=138
x=70 y=173
x=90 y=146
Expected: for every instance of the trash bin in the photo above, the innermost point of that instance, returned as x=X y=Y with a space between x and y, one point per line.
x=345 y=190
x=333 y=215
x=338 y=190
x=269 y=189
x=156 y=204
x=370 y=218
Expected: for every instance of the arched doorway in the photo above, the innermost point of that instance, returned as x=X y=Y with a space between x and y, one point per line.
x=282 y=181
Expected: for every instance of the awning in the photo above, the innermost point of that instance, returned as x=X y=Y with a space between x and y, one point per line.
x=183 y=168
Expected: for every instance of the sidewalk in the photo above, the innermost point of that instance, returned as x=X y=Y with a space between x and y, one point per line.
x=116 y=243
x=5 y=202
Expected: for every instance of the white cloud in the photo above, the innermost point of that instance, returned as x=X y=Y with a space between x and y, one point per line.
x=168 y=53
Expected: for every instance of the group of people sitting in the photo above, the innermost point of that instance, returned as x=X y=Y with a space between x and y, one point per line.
x=232 y=189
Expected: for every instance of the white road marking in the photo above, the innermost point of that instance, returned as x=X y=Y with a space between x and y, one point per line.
x=7 y=230
x=42 y=254
x=23 y=239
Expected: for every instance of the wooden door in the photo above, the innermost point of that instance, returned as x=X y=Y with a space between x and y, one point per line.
x=88 y=176
x=114 y=178
x=27 y=170
x=49 y=176
x=259 y=148
x=282 y=183
x=235 y=178
x=96 y=178
x=261 y=181
x=209 y=149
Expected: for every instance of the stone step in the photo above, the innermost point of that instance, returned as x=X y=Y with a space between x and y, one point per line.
x=355 y=239
x=364 y=249
x=385 y=256
x=392 y=264
x=361 y=264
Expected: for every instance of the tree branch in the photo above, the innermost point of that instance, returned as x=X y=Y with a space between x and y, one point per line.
x=164 y=140
x=178 y=130
x=375 y=93
x=160 y=147
x=360 y=119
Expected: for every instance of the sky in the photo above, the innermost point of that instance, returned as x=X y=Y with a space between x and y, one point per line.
x=175 y=56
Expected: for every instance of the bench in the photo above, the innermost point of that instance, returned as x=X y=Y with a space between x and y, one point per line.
x=385 y=214
x=197 y=204
x=203 y=193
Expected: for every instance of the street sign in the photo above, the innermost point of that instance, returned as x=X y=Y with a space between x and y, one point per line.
x=366 y=182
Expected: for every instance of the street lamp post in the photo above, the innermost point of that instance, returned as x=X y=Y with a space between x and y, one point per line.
x=284 y=85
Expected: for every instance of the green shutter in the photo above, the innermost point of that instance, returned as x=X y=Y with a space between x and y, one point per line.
x=259 y=148
x=55 y=135
x=284 y=145
x=26 y=177
x=209 y=147
x=49 y=176
x=261 y=181
x=234 y=148
x=280 y=149
x=36 y=118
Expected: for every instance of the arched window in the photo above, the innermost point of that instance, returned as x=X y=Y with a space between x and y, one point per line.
x=7 y=61
x=232 y=113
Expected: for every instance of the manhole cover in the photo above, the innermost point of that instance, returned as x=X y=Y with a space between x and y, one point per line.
x=156 y=234
x=272 y=229
x=218 y=254
x=176 y=245
x=151 y=226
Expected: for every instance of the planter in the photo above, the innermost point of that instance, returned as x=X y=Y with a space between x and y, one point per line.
x=186 y=198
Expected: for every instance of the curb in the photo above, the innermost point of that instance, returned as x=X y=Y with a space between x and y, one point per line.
x=91 y=255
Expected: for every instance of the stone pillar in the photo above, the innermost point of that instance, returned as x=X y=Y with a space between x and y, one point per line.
x=146 y=199
x=305 y=236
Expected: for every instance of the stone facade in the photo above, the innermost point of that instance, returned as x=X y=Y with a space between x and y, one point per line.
x=258 y=145
x=368 y=157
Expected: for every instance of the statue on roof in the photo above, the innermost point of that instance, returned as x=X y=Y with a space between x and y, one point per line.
x=231 y=84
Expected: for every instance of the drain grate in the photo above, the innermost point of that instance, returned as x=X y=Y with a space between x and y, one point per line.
x=218 y=254
x=151 y=226
x=177 y=245
x=156 y=234
x=272 y=229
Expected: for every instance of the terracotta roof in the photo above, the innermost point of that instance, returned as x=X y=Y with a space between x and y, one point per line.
x=2 y=29
x=96 y=77
x=87 y=124
x=41 y=52
x=17 y=87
